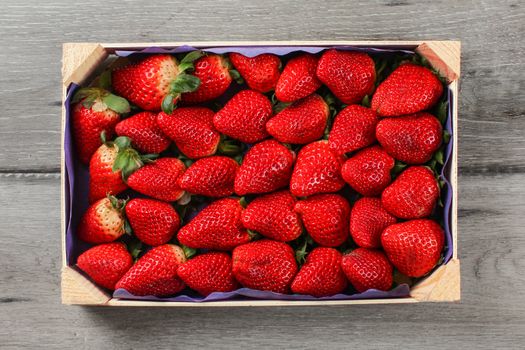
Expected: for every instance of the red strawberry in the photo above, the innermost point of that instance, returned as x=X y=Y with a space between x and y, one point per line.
x=145 y=134
x=212 y=177
x=159 y=179
x=208 y=273
x=412 y=139
x=298 y=78
x=409 y=89
x=218 y=226
x=302 y=122
x=273 y=216
x=326 y=218
x=368 y=269
x=153 y=222
x=354 y=128
x=191 y=128
x=317 y=170
x=155 y=273
x=368 y=172
x=156 y=81
x=106 y=263
x=94 y=111
x=244 y=117
x=260 y=72
x=414 y=247
x=265 y=265
x=266 y=167
x=349 y=75
x=321 y=275
x=412 y=195
x=213 y=72
x=103 y=221
x=367 y=221
x=102 y=179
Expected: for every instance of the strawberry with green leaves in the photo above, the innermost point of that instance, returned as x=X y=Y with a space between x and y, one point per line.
x=368 y=219
x=218 y=227
x=155 y=273
x=146 y=136
x=265 y=265
x=368 y=171
x=326 y=218
x=349 y=75
x=211 y=177
x=412 y=139
x=261 y=72
x=153 y=222
x=244 y=117
x=156 y=81
x=266 y=167
x=302 y=122
x=273 y=216
x=94 y=111
x=103 y=221
x=368 y=269
x=105 y=264
x=208 y=273
x=317 y=170
x=412 y=195
x=414 y=247
x=321 y=275
x=298 y=78
x=408 y=89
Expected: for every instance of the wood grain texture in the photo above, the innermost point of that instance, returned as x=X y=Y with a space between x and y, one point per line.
x=492 y=175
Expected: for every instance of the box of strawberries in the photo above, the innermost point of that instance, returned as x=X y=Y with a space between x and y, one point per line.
x=260 y=173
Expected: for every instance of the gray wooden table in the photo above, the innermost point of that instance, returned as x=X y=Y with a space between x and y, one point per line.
x=492 y=175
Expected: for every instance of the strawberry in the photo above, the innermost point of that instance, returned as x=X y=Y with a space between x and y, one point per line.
x=412 y=139
x=191 y=128
x=266 y=167
x=302 y=122
x=326 y=218
x=208 y=273
x=218 y=226
x=213 y=72
x=317 y=170
x=156 y=82
x=145 y=134
x=412 y=195
x=298 y=78
x=368 y=269
x=105 y=264
x=159 y=179
x=155 y=273
x=94 y=111
x=368 y=172
x=211 y=177
x=265 y=265
x=354 y=128
x=260 y=72
x=102 y=179
x=349 y=75
x=414 y=247
x=273 y=216
x=321 y=275
x=153 y=222
x=408 y=89
x=368 y=219
x=103 y=221
x=244 y=116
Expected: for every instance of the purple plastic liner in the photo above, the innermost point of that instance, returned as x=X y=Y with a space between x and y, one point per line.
x=77 y=181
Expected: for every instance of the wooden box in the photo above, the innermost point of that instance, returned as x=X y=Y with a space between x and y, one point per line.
x=81 y=59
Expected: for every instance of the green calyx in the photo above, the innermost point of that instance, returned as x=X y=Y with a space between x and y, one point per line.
x=236 y=76
x=99 y=100
x=229 y=147
x=253 y=235
x=189 y=252
x=118 y=204
x=128 y=160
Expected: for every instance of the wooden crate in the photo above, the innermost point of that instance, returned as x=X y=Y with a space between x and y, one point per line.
x=81 y=59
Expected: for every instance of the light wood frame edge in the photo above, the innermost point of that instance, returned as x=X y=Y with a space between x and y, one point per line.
x=80 y=59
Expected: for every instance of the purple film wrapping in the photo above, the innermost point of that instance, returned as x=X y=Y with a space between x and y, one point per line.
x=77 y=181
